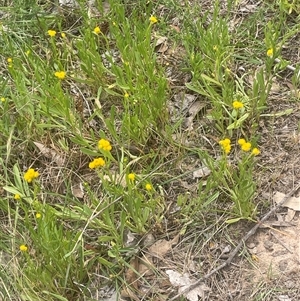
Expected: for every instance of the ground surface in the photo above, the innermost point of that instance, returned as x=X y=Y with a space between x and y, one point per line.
x=182 y=245
x=268 y=267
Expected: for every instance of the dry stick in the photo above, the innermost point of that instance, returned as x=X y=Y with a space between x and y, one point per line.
x=237 y=248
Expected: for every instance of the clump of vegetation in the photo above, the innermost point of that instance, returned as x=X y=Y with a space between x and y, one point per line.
x=88 y=151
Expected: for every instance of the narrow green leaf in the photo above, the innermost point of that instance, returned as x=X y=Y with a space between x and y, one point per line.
x=238 y=123
x=234 y=220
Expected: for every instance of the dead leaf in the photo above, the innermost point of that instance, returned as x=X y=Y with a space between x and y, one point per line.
x=129 y=239
x=194 y=109
x=184 y=101
x=131 y=275
x=290 y=215
x=162 y=246
x=160 y=41
x=146 y=266
x=50 y=153
x=275 y=88
x=161 y=45
x=131 y=278
x=201 y=172
x=292 y=202
x=183 y=281
x=78 y=190
x=179 y=105
x=148 y=240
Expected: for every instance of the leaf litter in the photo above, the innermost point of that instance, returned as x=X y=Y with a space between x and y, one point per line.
x=183 y=281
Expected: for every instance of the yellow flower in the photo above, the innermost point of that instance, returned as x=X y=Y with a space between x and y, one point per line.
x=63 y=35
x=227 y=149
x=246 y=146
x=17 y=196
x=38 y=215
x=237 y=104
x=51 y=33
x=60 y=74
x=2 y=99
x=9 y=60
x=126 y=95
x=104 y=144
x=215 y=48
x=225 y=143
x=131 y=176
x=270 y=52
x=23 y=248
x=30 y=175
x=27 y=52
x=98 y=162
x=148 y=187
x=97 y=30
x=153 y=20
x=255 y=151
x=241 y=141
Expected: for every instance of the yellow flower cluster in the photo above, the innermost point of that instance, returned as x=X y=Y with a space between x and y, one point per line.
x=23 y=248
x=98 y=162
x=153 y=20
x=97 y=30
x=255 y=151
x=148 y=187
x=246 y=147
x=104 y=145
x=237 y=105
x=10 y=62
x=30 y=175
x=60 y=74
x=270 y=52
x=51 y=33
x=225 y=143
x=131 y=177
x=17 y=197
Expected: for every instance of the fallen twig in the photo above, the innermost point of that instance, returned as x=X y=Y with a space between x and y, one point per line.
x=237 y=248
